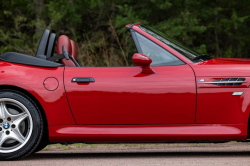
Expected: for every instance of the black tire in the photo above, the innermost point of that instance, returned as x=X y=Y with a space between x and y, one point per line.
x=35 y=134
x=40 y=147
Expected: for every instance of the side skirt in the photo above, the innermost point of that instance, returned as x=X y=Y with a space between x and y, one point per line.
x=148 y=133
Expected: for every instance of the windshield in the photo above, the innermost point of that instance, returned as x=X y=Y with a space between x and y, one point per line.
x=181 y=48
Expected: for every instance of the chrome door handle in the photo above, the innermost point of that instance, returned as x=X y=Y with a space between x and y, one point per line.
x=83 y=79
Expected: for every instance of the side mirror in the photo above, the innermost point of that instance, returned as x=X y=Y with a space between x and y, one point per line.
x=143 y=61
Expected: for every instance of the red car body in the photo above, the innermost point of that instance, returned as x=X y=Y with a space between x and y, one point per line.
x=126 y=105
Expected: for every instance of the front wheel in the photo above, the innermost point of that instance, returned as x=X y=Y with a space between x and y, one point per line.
x=21 y=125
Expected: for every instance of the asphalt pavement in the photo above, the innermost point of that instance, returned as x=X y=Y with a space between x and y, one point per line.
x=229 y=154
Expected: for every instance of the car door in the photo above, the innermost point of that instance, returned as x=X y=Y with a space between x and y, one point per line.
x=126 y=96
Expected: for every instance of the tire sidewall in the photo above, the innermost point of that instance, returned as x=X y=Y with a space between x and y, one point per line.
x=37 y=126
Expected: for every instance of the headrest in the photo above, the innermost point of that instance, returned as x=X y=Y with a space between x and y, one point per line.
x=74 y=49
x=64 y=41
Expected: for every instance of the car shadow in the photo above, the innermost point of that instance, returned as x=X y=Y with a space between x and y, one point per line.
x=47 y=156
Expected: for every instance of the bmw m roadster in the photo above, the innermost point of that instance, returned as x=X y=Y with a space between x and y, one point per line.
x=172 y=94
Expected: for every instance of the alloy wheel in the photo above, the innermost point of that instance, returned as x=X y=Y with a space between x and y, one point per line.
x=16 y=125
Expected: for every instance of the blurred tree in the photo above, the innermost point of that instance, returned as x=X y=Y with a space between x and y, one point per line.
x=219 y=28
x=17 y=26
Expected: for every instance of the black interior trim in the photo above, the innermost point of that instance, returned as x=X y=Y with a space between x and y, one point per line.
x=75 y=62
x=52 y=38
x=41 y=50
x=28 y=60
x=57 y=57
x=80 y=65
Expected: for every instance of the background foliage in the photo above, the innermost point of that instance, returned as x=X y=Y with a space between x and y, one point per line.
x=219 y=28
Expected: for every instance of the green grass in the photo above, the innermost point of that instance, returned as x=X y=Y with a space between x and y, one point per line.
x=46 y=148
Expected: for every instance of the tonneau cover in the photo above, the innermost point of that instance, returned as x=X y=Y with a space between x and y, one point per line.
x=27 y=60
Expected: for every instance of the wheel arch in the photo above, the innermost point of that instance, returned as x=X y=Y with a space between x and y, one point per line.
x=45 y=137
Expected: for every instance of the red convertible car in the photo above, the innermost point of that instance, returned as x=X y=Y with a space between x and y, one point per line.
x=173 y=94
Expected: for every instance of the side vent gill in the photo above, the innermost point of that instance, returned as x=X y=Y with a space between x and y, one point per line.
x=229 y=81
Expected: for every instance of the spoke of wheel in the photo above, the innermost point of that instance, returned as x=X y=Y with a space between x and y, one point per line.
x=17 y=119
x=16 y=134
x=3 y=138
x=3 y=110
x=1 y=134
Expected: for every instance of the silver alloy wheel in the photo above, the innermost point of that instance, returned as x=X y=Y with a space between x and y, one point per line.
x=16 y=125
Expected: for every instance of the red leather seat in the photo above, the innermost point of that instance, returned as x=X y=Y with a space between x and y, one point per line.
x=65 y=41
x=74 y=49
x=74 y=52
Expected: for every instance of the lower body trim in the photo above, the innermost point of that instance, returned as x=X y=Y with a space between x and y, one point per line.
x=148 y=133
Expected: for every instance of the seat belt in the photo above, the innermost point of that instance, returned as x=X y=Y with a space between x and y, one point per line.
x=61 y=56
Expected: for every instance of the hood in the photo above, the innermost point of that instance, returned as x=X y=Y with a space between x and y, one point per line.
x=222 y=67
x=225 y=61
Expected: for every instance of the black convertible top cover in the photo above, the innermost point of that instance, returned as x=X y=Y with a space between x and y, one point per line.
x=27 y=60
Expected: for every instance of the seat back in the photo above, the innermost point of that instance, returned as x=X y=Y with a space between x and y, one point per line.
x=74 y=49
x=65 y=41
x=74 y=52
